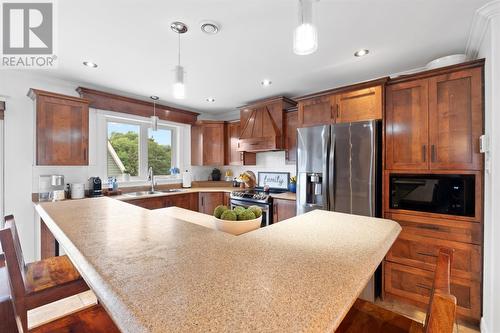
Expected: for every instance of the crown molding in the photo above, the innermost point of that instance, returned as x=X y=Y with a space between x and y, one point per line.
x=480 y=24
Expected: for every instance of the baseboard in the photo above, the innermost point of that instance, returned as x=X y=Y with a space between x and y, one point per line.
x=483 y=327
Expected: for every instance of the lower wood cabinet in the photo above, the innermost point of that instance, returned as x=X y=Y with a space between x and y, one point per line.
x=185 y=200
x=410 y=263
x=283 y=209
x=209 y=200
x=414 y=285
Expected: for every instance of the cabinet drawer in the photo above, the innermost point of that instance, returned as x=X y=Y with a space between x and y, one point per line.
x=446 y=229
x=258 y=144
x=415 y=285
x=421 y=252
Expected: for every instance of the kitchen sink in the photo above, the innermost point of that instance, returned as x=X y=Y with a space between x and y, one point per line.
x=143 y=193
x=171 y=190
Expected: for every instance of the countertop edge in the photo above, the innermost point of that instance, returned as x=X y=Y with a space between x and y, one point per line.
x=89 y=274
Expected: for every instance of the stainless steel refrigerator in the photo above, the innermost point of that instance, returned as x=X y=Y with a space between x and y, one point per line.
x=338 y=169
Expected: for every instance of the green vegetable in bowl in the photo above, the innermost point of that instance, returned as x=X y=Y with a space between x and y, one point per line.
x=219 y=210
x=256 y=210
x=228 y=215
x=247 y=214
x=238 y=210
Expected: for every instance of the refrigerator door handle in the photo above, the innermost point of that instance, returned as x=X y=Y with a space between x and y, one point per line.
x=326 y=199
x=331 y=173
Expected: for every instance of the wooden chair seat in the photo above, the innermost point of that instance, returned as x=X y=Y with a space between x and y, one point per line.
x=368 y=317
x=91 y=320
x=48 y=273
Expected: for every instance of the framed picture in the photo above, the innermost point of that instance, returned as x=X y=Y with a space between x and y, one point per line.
x=275 y=180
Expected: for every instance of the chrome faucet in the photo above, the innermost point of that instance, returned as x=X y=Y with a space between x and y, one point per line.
x=151 y=178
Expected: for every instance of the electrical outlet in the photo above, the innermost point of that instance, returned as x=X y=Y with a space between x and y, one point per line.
x=484 y=144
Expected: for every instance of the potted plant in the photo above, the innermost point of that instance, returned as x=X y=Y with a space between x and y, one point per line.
x=292 y=186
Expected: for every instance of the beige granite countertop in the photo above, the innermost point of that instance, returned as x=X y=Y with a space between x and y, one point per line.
x=285 y=196
x=157 y=273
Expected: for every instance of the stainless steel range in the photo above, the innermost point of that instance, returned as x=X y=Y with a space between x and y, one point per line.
x=255 y=197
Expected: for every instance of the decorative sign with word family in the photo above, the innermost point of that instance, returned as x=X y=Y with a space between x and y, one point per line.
x=276 y=180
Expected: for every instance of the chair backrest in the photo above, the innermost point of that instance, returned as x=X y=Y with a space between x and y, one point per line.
x=442 y=306
x=13 y=256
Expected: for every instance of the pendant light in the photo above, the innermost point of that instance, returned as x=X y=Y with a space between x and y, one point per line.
x=178 y=87
x=305 y=35
x=154 y=117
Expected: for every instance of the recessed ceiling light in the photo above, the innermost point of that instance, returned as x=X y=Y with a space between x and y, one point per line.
x=210 y=27
x=90 y=64
x=266 y=82
x=361 y=52
x=210 y=99
x=154 y=98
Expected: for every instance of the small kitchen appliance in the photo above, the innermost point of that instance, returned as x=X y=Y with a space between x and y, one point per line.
x=77 y=190
x=95 y=187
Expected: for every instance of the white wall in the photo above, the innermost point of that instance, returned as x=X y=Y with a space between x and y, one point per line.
x=490 y=49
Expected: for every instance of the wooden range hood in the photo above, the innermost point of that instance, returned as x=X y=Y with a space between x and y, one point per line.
x=262 y=125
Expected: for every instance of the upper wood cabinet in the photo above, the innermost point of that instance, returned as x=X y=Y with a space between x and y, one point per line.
x=359 y=105
x=233 y=155
x=435 y=122
x=407 y=125
x=62 y=129
x=347 y=104
x=317 y=111
x=208 y=143
x=262 y=126
x=456 y=120
x=291 y=123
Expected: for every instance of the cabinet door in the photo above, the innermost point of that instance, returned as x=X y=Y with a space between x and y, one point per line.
x=149 y=203
x=359 y=105
x=62 y=131
x=213 y=144
x=233 y=156
x=209 y=200
x=283 y=209
x=316 y=111
x=196 y=145
x=407 y=126
x=291 y=123
x=415 y=285
x=455 y=120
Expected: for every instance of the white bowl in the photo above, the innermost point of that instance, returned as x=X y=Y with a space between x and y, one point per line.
x=237 y=227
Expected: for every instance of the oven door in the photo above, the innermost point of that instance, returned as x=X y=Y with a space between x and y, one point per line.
x=266 y=210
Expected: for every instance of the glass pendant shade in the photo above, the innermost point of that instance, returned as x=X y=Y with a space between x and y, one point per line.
x=305 y=35
x=178 y=88
x=154 y=123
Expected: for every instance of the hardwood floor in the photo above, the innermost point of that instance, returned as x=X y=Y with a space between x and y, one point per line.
x=71 y=304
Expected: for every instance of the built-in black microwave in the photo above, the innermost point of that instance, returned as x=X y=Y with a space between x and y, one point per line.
x=442 y=194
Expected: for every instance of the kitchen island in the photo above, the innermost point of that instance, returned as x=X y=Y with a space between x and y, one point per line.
x=155 y=271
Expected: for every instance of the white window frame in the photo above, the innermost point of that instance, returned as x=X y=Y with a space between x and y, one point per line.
x=180 y=142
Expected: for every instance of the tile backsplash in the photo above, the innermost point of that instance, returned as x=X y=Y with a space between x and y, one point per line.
x=267 y=161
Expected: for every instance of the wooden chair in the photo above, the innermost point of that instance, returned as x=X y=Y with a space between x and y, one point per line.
x=38 y=283
x=370 y=318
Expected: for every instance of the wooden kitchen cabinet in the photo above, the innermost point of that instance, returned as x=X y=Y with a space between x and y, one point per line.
x=317 y=111
x=283 y=209
x=406 y=125
x=359 y=105
x=455 y=120
x=233 y=155
x=186 y=201
x=208 y=143
x=149 y=203
x=434 y=123
x=291 y=124
x=414 y=285
x=62 y=128
x=209 y=200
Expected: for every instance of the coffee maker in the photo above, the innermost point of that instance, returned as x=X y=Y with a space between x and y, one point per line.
x=95 y=187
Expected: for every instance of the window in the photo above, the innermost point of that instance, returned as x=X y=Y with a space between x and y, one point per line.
x=132 y=147
x=160 y=150
x=123 y=149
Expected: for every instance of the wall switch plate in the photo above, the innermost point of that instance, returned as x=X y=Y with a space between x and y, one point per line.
x=484 y=143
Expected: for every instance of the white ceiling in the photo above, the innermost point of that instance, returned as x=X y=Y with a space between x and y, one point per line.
x=136 y=50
